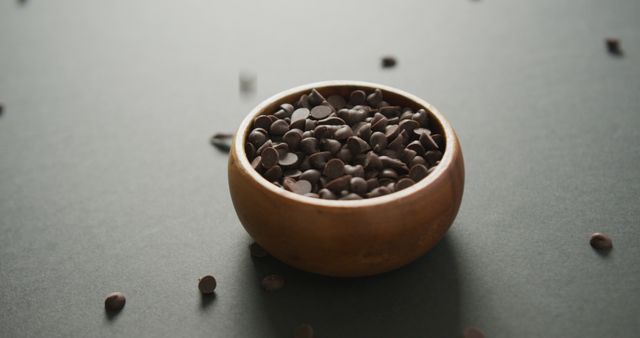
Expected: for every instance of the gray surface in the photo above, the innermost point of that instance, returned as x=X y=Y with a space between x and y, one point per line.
x=107 y=181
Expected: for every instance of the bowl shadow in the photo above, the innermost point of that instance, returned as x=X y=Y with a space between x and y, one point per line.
x=421 y=299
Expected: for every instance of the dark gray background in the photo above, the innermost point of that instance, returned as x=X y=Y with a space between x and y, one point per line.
x=107 y=180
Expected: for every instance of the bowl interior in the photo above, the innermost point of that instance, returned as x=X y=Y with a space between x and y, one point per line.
x=396 y=97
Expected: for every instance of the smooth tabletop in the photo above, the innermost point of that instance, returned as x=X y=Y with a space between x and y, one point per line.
x=108 y=181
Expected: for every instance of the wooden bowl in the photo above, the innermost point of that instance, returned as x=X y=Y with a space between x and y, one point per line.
x=355 y=237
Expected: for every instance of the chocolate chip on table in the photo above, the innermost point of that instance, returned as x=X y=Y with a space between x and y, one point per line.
x=272 y=282
x=613 y=46
x=344 y=147
x=388 y=62
x=303 y=331
x=221 y=141
x=247 y=82
x=207 y=284
x=114 y=301
x=257 y=251
x=600 y=241
x=472 y=332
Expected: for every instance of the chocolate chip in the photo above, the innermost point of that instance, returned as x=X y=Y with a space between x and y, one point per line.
x=388 y=62
x=288 y=159
x=408 y=125
x=287 y=107
x=321 y=112
x=390 y=111
x=207 y=284
x=319 y=159
x=375 y=98
x=278 y=128
x=404 y=183
x=418 y=160
x=250 y=149
x=378 y=141
x=357 y=97
x=336 y=101
x=257 y=138
x=114 y=301
x=315 y=98
x=372 y=161
x=421 y=117
x=339 y=184
x=257 y=251
x=418 y=172
x=333 y=120
x=303 y=102
x=269 y=157
x=439 y=140
x=416 y=146
x=428 y=142
x=292 y=173
x=351 y=197
x=303 y=331
x=327 y=194
x=311 y=175
x=272 y=282
x=293 y=138
x=344 y=154
x=613 y=46
x=309 y=145
x=372 y=183
x=343 y=133
x=262 y=121
x=354 y=170
x=222 y=141
x=364 y=132
x=406 y=155
x=266 y=145
x=600 y=241
x=333 y=168
x=300 y=114
x=357 y=145
x=389 y=173
x=273 y=173
x=433 y=156
x=358 y=185
x=299 y=187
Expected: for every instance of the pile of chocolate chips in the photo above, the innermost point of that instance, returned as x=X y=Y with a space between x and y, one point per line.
x=344 y=148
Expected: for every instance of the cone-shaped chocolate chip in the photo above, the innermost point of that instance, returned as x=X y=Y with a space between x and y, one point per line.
x=398 y=143
x=600 y=241
x=439 y=140
x=378 y=141
x=344 y=154
x=333 y=121
x=250 y=149
x=309 y=145
x=364 y=132
x=421 y=117
x=269 y=157
x=375 y=98
x=327 y=194
x=319 y=159
x=406 y=155
x=357 y=145
x=418 y=160
x=292 y=173
x=358 y=185
x=303 y=101
x=257 y=138
x=264 y=146
x=389 y=173
x=293 y=138
x=408 y=125
x=207 y=284
x=407 y=114
x=279 y=128
x=321 y=112
x=354 y=170
x=357 y=97
x=311 y=175
x=282 y=149
x=404 y=183
x=418 y=172
x=299 y=187
x=336 y=101
x=392 y=163
x=427 y=142
x=390 y=111
x=391 y=132
x=287 y=107
x=114 y=301
x=343 y=133
x=433 y=156
x=333 y=168
x=372 y=183
x=420 y=131
x=339 y=184
x=300 y=114
x=351 y=197
x=288 y=159
x=332 y=146
x=262 y=121
x=372 y=161
x=315 y=98
x=416 y=146
x=273 y=173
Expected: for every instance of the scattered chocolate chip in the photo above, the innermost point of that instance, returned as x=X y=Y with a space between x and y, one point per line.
x=613 y=46
x=221 y=141
x=600 y=241
x=247 y=83
x=207 y=284
x=114 y=301
x=388 y=62
x=272 y=282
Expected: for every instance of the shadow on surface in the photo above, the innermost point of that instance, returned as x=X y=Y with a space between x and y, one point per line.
x=206 y=301
x=419 y=300
x=111 y=316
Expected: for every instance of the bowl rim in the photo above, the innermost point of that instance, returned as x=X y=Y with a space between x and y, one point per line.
x=244 y=165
